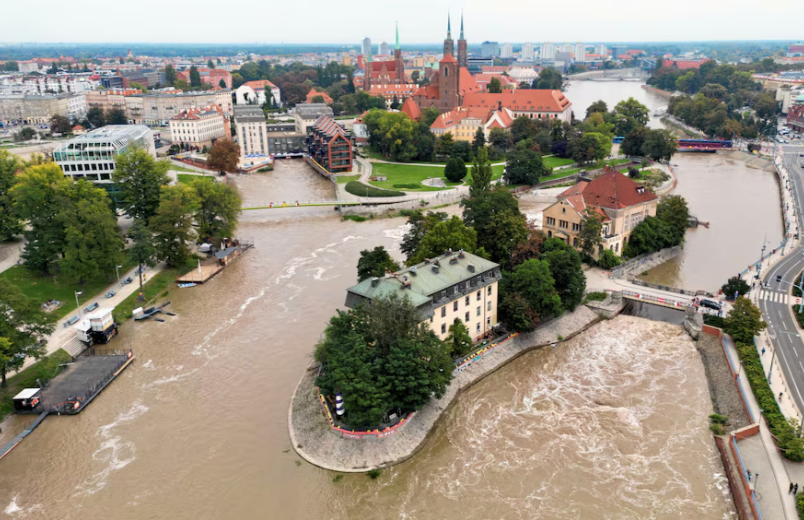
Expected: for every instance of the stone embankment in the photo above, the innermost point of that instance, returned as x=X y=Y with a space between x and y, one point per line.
x=316 y=442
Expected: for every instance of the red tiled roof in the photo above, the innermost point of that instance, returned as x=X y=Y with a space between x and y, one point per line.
x=614 y=190
x=259 y=84
x=520 y=100
x=453 y=117
x=412 y=110
x=327 y=126
x=448 y=59
x=495 y=70
x=466 y=81
x=313 y=93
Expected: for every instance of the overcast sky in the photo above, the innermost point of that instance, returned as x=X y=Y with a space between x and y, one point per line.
x=420 y=21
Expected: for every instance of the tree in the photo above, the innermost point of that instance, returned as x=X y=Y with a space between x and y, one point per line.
x=634 y=142
x=765 y=106
x=10 y=224
x=195 y=77
x=418 y=226
x=500 y=139
x=61 y=125
x=93 y=244
x=523 y=167
x=458 y=341
x=181 y=85
x=138 y=86
x=22 y=325
x=11 y=65
x=565 y=266
x=495 y=87
x=735 y=284
x=589 y=237
x=210 y=64
x=529 y=248
x=450 y=234
x=405 y=366
x=630 y=114
x=222 y=84
x=116 y=116
x=534 y=282
x=269 y=98
x=39 y=196
x=479 y=140
x=608 y=259
x=659 y=145
x=218 y=208
x=443 y=145
x=589 y=147
x=96 y=117
x=652 y=234
x=395 y=104
x=548 y=79
x=462 y=150
x=318 y=99
x=597 y=106
x=172 y=224
x=139 y=178
x=481 y=173
x=499 y=224
x=374 y=263
x=744 y=321
x=54 y=68
x=455 y=170
x=517 y=314
x=674 y=211
x=25 y=134
x=143 y=246
x=224 y=156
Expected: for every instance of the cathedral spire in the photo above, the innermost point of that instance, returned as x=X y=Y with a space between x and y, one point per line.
x=397 y=35
x=449 y=29
x=461 y=24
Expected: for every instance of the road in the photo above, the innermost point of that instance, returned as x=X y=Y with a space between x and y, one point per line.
x=776 y=300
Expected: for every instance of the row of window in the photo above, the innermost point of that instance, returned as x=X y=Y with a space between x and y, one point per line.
x=93 y=167
x=460 y=286
x=455 y=307
x=477 y=325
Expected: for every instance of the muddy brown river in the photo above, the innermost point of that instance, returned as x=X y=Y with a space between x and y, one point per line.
x=610 y=425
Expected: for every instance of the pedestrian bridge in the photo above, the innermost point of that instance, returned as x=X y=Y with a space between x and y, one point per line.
x=655 y=308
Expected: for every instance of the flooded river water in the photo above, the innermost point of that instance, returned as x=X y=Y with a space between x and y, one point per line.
x=197 y=427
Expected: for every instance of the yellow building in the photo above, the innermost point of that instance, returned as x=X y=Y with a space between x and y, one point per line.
x=621 y=203
x=463 y=123
x=453 y=285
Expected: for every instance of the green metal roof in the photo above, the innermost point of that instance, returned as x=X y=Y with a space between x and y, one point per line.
x=421 y=281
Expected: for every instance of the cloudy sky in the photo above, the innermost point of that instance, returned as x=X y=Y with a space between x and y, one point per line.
x=420 y=21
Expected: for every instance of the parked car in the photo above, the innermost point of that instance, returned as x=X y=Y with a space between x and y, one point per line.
x=712 y=304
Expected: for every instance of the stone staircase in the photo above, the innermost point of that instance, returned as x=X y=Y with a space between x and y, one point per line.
x=74 y=347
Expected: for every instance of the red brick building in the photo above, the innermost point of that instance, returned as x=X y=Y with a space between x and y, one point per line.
x=329 y=145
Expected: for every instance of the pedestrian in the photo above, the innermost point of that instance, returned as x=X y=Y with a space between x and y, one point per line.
x=749 y=475
x=795 y=489
x=763 y=351
x=780 y=395
x=789 y=491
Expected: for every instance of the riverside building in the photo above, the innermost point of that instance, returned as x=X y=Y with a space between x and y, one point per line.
x=455 y=285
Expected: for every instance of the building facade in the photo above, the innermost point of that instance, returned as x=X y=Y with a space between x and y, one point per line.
x=526 y=54
x=506 y=51
x=795 y=114
x=33 y=109
x=251 y=131
x=91 y=156
x=548 y=51
x=306 y=115
x=453 y=286
x=330 y=146
x=366 y=48
x=253 y=92
x=489 y=49
x=580 y=52
x=463 y=123
x=156 y=109
x=199 y=127
x=535 y=104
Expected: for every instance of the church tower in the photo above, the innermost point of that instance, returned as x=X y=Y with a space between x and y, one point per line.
x=449 y=43
x=399 y=65
x=463 y=58
x=367 y=77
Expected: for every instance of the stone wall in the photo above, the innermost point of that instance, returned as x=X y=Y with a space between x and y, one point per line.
x=645 y=262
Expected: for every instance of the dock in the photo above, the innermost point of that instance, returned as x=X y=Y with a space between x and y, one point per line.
x=203 y=273
x=200 y=274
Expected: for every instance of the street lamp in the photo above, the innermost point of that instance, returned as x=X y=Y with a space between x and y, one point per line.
x=78 y=305
x=117 y=271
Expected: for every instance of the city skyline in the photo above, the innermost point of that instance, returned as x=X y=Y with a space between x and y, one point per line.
x=629 y=22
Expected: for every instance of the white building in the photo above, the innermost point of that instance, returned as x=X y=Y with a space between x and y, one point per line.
x=198 y=127
x=366 y=46
x=28 y=66
x=384 y=49
x=527 y=52
x=92 y=156
x=522 y=74
x=548 y=51
x=506 y=50
x=253 y=93
x=580 y=52
x=251 y=131
x=567 y=47
x=601 y=49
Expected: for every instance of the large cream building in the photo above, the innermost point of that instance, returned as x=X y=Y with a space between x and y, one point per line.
x=455 y=285
x=31 y=109
x=157 y=109
x=198 y=127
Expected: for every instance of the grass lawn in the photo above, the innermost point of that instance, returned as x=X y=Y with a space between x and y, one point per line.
x=554 y=162
x=187 y=179
x=176 y=168
x=364 y=190
x=343 y=179
x=154 y=287
x=46 y=288
x=407 y=174
x=45 y=369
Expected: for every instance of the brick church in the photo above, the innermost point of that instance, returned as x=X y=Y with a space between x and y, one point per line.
x=385 y=72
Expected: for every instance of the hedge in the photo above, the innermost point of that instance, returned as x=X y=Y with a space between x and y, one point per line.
x=784 y=432
x=364 y=190
x=800 y=505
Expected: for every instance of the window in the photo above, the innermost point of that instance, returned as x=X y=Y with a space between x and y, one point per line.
x=551 y=221
x=477 y=329
x=443 y=328
x=488 y=322
x=563 y=224
x=489 y=306
x=576 y=227
x=466 y=318
x=478 y=310
x=466 y=301
x=478 y=295
x=455 y=305
x=444 y=311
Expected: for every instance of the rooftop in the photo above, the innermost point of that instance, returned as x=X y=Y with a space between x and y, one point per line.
x=248 y=114
x=120 y=135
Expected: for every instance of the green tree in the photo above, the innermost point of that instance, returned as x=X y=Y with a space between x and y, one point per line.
x=597 y=106
x=517 y=314
x=25 y=134
x=139 y=86
x=565 y=266
x=450 y=234
x=534 y=282
x=318 y=99
x=500 y=139
x=589 y=147
x=458 y=341
x=499 y=224
x=143 y=246
x=735 y=284
x=674 y=211
x=96 y=117
x=608 y=259
x=479 y=140
x=61 y=125
x=224 y=156
x=590 y=235
x=210 y=64
x=455 y=170
x=93 y=244
x=659 y=145
x=22 y=325
x=195 y=77
x=10 y=224
x=395 y=104
x=418 y=226
x=462 y=150
x=218 y=208
x=548 y=79
x=116 y=116
x=633 y=143
x=523 y=167
x=765 y=106
x=443 y=145
x=495 y=87
x=744 y=321
x=172 y=224
x=628 y=115
x=139 y=178
x=374 y=263
x=39 y=196
x=481 y=173
x=652 y=234
x=181 y=85
x=222 y=84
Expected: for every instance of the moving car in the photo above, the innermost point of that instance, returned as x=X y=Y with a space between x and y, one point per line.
x=712 y=304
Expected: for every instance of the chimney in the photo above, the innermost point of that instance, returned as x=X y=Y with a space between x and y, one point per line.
x=471 y=268
x=435 y=269
x=375 y=282
x=413 y=270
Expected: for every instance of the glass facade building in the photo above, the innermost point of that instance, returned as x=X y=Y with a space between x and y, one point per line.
x=92 y=156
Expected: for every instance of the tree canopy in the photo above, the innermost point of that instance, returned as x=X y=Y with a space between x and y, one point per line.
x=218 y=208
x=744 y=321
x=450 y=234
x=374 y=263
x=224 y=155
x=172 y=224
x=496 y=218
x=139 y=178
x=10 y=224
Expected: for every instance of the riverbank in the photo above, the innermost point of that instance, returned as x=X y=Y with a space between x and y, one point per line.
x=317 y=443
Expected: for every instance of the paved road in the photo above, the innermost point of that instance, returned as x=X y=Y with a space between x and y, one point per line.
x=775 y=302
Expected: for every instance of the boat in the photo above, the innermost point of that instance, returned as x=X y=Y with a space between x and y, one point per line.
x=143 y=314
x=183 y=285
